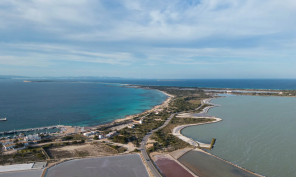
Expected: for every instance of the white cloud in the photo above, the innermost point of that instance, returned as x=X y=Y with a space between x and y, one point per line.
x=146 y=32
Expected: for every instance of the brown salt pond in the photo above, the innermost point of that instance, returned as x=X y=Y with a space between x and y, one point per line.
x=205 y=165
x=169 y=167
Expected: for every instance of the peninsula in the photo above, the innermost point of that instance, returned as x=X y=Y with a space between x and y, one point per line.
x=154 y=134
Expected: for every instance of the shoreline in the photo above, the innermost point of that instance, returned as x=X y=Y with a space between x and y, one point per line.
x=177 y=132
x=164 y=104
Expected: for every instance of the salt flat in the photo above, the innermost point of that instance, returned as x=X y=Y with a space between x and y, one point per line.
x=29 y=173
x=17 y=167
x=123 y=166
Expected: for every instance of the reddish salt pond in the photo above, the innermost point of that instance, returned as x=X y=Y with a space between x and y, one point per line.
x=169 y=167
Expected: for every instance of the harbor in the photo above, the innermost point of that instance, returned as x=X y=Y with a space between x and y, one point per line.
x=47 y=129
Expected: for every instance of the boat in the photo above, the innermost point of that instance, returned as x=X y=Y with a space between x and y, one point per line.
x=3 y=119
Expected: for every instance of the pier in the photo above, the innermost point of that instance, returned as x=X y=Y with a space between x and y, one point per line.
x=30 y=129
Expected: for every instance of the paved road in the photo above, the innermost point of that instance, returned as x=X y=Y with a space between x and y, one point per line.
x=144 y=152
x=145 y=139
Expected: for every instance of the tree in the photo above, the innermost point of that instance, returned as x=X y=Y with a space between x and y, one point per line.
x=96 y=137
x=120 y=139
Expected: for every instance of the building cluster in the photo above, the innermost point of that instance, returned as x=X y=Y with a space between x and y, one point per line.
x=21 y=139
x=100 y=135
x=90 y=133
x=157 y=111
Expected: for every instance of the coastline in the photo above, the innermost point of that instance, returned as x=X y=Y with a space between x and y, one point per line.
x=130 y=117
x=163 y=105
x=177 y=132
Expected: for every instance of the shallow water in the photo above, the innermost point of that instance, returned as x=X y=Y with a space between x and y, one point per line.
x=205 y=165
x=257 y=133
x=38 y=104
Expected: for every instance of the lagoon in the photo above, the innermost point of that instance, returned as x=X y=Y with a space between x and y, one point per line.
x=257 y=133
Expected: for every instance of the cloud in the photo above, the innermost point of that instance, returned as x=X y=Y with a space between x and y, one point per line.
x=44 y=55
x=189 y=32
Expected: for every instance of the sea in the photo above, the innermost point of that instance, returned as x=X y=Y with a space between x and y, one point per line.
x=257 y=133
x=87 y=102
x=38 y=104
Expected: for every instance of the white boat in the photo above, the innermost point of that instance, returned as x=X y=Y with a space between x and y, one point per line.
x=3 y=119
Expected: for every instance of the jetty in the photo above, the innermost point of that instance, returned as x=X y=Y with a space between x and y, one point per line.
x=30 y=129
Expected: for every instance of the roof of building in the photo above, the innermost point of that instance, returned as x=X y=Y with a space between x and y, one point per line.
x=9 y=145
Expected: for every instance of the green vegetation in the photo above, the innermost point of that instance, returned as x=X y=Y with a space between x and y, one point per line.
x=120 y=139
x=180 y=91
x=19 y=145
x=186 y=99
x=168 y=142
x=23 y=156
x=74 y=137
x=119 y=149
x=136 y=134
x=182 y=104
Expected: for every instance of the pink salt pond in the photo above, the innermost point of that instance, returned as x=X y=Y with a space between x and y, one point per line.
x=169 y=167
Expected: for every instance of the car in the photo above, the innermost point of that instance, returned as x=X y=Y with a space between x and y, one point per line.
x=148 y=159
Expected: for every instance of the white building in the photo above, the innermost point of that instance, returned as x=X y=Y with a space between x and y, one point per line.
x=87 y=133
x=111 y=134
x=131 y=126
x=34 y=137
x=9 y=146
x=101 y=136
x=141 y=121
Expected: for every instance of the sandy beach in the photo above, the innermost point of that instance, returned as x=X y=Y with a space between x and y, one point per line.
x=130 y=117
x=161 y=106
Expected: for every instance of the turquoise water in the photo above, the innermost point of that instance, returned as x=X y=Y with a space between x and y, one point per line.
x=29 y=105
x=257 y=133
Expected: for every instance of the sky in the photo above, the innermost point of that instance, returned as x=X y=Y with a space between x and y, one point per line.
x=167 y=39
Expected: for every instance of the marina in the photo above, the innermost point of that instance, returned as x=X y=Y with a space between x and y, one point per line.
x=41 y=130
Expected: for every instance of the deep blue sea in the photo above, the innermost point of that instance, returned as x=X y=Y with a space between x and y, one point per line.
x=36 y=104
x=29 y=105
x=275 y=84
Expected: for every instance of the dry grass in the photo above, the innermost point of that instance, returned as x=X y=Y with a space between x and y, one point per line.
x=79 y=151
x=195 y=101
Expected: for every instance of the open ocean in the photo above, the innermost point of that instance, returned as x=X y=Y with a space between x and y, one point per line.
x=36 y=104
x=29 y=105
x=275 y=84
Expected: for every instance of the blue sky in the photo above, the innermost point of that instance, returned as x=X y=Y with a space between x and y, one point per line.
x=149 y=39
